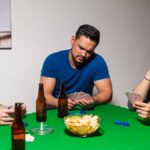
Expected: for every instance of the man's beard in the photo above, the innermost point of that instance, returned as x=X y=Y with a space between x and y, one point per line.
x=78 y=63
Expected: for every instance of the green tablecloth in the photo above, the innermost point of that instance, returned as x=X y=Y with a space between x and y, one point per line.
x=110 y=136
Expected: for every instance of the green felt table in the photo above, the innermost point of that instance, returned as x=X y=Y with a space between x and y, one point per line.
x=110 y=136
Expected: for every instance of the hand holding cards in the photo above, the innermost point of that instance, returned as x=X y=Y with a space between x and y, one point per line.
x=79 y=95
x=132 y=96
x=83 y=99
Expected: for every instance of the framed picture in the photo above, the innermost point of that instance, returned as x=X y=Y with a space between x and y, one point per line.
x=5 y=24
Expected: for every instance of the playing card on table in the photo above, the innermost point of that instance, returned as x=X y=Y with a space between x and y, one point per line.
x=132 y=96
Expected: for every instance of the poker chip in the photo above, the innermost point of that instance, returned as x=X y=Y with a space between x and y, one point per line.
x=82 y=111
x=118 y=122
x=125 y=123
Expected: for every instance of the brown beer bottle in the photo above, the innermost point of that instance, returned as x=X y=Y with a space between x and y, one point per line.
x=62 y=102
x=18 y=130
x=41 y=105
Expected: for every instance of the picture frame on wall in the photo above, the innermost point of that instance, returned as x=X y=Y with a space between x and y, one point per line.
x=5 y=25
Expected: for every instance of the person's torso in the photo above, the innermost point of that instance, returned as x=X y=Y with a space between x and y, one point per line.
x=79 y=79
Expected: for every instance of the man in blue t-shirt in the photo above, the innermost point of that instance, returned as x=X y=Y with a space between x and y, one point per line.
x=80 y=68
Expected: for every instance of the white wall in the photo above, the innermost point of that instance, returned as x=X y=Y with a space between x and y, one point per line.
x=5 y=20
x=40 y=27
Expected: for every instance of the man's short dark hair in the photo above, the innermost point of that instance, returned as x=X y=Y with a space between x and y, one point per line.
x=88 y=31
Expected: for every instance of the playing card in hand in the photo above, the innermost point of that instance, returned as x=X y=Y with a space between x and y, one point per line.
x=132 y=96
x=72 y=96
x=79 y=95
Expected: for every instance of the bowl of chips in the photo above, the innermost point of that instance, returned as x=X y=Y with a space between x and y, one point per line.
x=82 y=125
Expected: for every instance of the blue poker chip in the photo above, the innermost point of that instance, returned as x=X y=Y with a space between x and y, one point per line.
x=82 y=112
x=125 y=124
x=118 y=122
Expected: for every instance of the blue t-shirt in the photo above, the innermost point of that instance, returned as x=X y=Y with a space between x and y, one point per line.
x=57 y=66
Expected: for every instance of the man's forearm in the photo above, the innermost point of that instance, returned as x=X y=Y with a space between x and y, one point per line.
x=103 y=97
x=51 y=101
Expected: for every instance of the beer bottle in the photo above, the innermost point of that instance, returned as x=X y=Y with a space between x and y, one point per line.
x=62 y=102
x=18 y=130
x=41 y=105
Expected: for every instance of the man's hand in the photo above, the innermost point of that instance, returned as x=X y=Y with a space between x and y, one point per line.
x=82 y=99
x=143 y=109
x=86 y=102
x=71 y=103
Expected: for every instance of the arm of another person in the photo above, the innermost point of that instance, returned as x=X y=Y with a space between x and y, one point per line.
x=143 y=87
x=104 y=88
x=6 y=115
x=143 y=109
